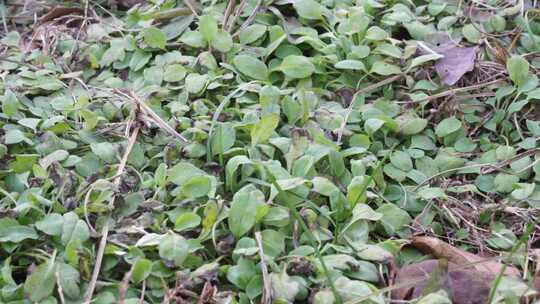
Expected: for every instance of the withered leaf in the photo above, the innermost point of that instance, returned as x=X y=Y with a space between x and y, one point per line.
x=442 y=250
x=456 y=62
x=59 y=11
x=464 y=286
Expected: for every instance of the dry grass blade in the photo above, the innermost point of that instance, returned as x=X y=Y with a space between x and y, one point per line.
x=459 y=90
x=249 y=20
x=59 y=288
x=267 y=284
x=123 y=287
x=191 y=7
x=236 y=15
x=154 y=117
x=230 y=6
x=105 y=229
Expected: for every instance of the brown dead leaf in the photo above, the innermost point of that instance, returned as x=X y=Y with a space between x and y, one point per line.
x=59 y=11
x=456 y=61
x=207 y=294
x=464 y=286
x=442 y=250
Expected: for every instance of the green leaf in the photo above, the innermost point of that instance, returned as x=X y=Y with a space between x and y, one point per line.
x=174 y=72
x=518 y=68
x=222 y=41
x=187 y=220
x=273 y=242
x=208 y=27
x=251 y=67
x=241 y=273
x=471 y=33
x=394 y=172
x=376 y=33
x=10 y=103
x=140 y=270
x=90 y=119
x=12 y=231
x=252 y=33
x=40 y=284
x=197 y=186
x=350 y=65
x=356 y=23
x=115 y=52
x=51 y=224
x=409 y=125
x=295 y=66
x=74 y=229
x=364 y=212
x=284 y=288
x=439 y=297
x=223 y=138
x=277 y=216
x=388 y=50
x=139 y=60
x=244 y=206
x=69 y=279
x=11 y=38
x=394 y=218
x=423 y=59
x=447 y=126
x=263 y=129
x=194 y=39
x=356 y=191
x=373 y=253
x=174 y=247
x=384 y=68
x=522 y=190
x=182 y=172
x=352 y=289
x=105 y=150
x=154 y=37
x=15 y=136
x=401 y=160
x=430 y=193
x=153 y=75
x=505 y=182
x=195 y=83
x=308 y=9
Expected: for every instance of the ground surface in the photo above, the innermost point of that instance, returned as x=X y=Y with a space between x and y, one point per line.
x=268 y=151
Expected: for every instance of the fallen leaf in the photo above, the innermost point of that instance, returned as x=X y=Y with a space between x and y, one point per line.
x=442 y=250
x=456 y=61
x=464 y=286
x=59 y=11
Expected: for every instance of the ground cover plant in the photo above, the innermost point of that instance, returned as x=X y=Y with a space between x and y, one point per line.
x=269 y=151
